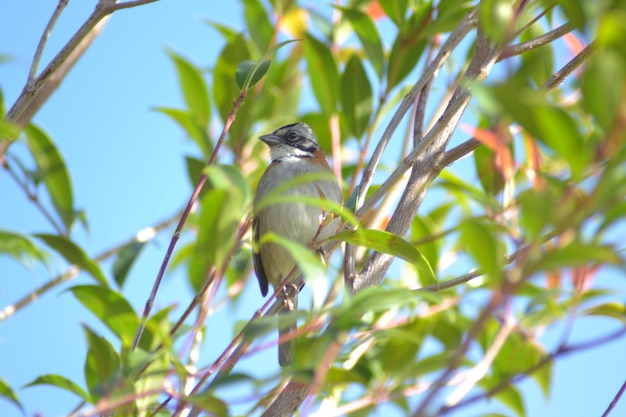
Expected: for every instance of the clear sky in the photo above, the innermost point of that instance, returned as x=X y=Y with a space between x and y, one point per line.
x=126 y=162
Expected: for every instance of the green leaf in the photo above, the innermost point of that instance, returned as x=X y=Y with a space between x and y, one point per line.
x=194 y=89
x=578 y=254
x=195 y=167
x=20 y=247
x=53 y=172
x=73 y=254
x=368 y=34
x=602 y=84
x=381 y=241
x=102 y=365
x=489 y=175
x=250 y=72
x=323 y=74
x=356 y=97
x=395 y=10
x=258 y=24
x=610 y=309
x=408 y=46
x=7 y=393
x=221 y=209
x=479 y=240
x=225 y=90
x=111 y=308
x=209 y=403
x=308 y=263
x=61 y=382
x=186 y=120
x=124 y=261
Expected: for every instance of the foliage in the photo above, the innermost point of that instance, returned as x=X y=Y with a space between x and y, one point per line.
x=527 y=230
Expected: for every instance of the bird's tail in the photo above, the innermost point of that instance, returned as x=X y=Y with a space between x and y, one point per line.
x=287 y=327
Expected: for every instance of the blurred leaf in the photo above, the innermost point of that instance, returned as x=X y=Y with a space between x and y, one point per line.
x=195 y=167
x=323 y=74
x=356 y=97
x=308 y=263
x=512 y=398
x=125 y=259
x=449 y=14
x=209 y=403
x=250 y=72
x=602 y=86
x=53 y=172
x=189 y=124
x=395 y=10
x=489 y=175
x=408 y=46
x=368 y=34
x=61 y=382
x=225 y=90
x=578 y=254
x=8 y=130
x=20 y=247
x=258 y=24
x=222 y=208
x=543 y=377
x=479 y=240
x=73 y=254
x=7 y=393
x=194 y=89
x=111 y=308
x=102 y=365
x=539 y=62
x=497 y=19
x=610 y=309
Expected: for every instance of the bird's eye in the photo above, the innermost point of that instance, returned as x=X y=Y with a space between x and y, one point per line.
x=292 y=135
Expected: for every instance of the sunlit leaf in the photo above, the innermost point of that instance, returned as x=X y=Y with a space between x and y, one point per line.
x=73 y=254
x=61 y=382
x=610 y=309
x=258 y=24
x=53 y=171
x=21 y=248
x=194 y=89
x=7 y=393
x=111 y=308
x=186 y=120
x=368 y=34
x=356 y=97
x=480 y=241
x=322 y=70
x=102 y=365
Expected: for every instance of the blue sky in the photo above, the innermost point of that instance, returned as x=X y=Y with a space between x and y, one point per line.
x=127 y=167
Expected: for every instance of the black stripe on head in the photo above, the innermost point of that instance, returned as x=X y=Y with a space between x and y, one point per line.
x=299 y=135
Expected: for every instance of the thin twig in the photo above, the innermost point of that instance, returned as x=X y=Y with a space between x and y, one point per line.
x=615 y=400
x=544 y=39
x=44 y=39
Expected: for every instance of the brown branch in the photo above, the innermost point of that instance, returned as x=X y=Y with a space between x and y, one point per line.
x=544 y=39
x=38 y=89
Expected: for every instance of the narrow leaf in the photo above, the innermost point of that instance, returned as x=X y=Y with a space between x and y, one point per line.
x=101 y=365
x=20 y=247
x=73 y=254
x=124 y=261
x=367 y=33
x=323 y=74
x=53 y=172
x=7 y=393
x=356 y=97
x=111 y=308
x=194 y=89
x=61 y=382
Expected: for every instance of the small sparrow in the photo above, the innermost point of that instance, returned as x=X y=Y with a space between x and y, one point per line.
x=294 y=151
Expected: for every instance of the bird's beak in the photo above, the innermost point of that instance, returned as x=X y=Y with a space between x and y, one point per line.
x=270 y=139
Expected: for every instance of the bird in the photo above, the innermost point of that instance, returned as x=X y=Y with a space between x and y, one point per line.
x=294 y=151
